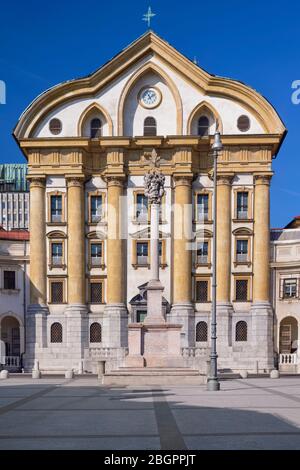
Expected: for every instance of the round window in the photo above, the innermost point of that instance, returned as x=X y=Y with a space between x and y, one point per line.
x=243 y=123
x=55 y=126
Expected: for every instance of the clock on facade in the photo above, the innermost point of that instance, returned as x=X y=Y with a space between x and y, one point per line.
x=150 y=97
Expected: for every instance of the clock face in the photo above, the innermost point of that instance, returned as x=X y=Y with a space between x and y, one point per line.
x=150 y=97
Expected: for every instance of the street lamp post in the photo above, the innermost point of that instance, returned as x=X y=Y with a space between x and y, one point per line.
x=213 y=384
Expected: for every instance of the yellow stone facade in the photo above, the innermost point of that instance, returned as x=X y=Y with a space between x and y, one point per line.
x=114 y=164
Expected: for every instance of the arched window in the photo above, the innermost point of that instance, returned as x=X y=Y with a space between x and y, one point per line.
x=96 y=128
x=150 y=127
x=95 y=333
x=203 y=126
x=56 y=333
x=201 y=332
x=241 y=331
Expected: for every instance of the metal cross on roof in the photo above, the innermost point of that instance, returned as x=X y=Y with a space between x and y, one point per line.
x=148 y=16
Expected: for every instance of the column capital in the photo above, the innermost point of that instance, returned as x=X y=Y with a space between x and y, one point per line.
x=37 y=182
x=263 y=179
x=224 y=179
x=183 y=180
x=117 y=181
x=75 y=181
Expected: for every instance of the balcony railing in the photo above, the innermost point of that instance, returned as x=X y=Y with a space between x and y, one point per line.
x=142 y=260
x=242 y=214
x=96 y=262
x=203 y=259
x=56 y=218
x=242 y=257
x=288 y=359
x=56 y=260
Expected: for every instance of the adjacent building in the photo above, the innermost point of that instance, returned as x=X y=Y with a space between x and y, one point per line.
x=285 y=282
x=87 y=143
x=14 y=294
x=14 y=197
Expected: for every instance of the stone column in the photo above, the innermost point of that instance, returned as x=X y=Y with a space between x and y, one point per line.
x=223 y=239
x=38 y=280
x=261 y=255
x=182 y=309
x=76 y=243
x=115 y=315
x=224 y=264
x=262 y=314
x=76 y=311
x=36 y=315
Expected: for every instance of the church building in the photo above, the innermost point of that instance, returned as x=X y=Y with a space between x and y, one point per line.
x=87 y=142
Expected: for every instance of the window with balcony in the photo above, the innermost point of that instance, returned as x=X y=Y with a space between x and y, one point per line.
x=202 y=252
x=242 y=205
x=56 y=209
x=96 y=255
x=202 y=207
x=56 y=254
x=242 y=251
x=142 y=251
x=96 y=208
x=141 y=213
x=289 y=288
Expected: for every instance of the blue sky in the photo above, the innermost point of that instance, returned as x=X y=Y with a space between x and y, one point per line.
x=257 y=42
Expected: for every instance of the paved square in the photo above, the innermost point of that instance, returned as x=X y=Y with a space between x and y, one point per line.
x=81 y=414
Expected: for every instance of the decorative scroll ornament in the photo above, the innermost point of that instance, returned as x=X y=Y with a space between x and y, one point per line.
x=154 y=181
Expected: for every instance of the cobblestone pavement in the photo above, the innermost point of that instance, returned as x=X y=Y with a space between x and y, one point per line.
x=81 y=414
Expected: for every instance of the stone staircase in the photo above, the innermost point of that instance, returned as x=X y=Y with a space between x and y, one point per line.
x=154 y=376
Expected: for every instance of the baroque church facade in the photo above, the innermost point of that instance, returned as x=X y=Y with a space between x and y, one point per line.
x=88 y=143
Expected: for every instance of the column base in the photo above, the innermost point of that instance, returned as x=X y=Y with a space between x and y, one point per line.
x=36 y=332
x=213 y=385
x=184 y=314
x=115 y=326
x=262 y=334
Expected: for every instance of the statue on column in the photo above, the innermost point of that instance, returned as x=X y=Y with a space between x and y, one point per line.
x=154 y=180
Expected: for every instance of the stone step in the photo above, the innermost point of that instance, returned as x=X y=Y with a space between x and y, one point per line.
x=154 y=376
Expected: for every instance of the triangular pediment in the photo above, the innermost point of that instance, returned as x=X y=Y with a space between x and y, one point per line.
x=144 y=234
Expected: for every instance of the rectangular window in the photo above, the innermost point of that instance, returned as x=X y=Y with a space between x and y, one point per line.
x=141 y=315
x=241 y=290
x=56 y=209
x=141 y=213
x=242 y=205
x=142 y=253
x=96 y=254
x=289 y=288
x=9 y=280
x=202 y=252
x=96 y=292
x=57 y=292
x=96 y=208
x=57 y=254
x=201 y=291
x=242 y=251
x=202 y=207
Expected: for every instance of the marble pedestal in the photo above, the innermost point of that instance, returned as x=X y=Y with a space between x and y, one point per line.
x=154 y=343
